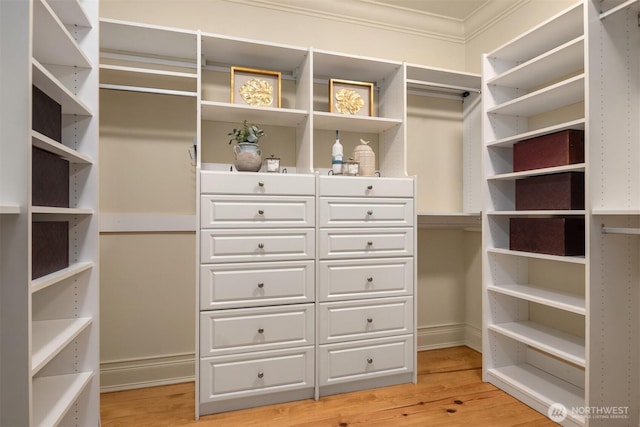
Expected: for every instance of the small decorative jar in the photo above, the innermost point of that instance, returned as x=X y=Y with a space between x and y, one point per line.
x=272 y=164
x=364 y=155
x=350 y=168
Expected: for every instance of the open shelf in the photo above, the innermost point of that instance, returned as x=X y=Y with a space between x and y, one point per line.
x=509 y=141
x=49 y=84
x=54 y=395
x=537 y=213
x=70 y=12
x=60 y=275
x=577 y=167
x=61 y=211
x=225 y=112
x=621 y=6
x=69 y=154
x=9 y=209
x=333 y=121
x=448 y=219
x=569 y=259
x=549 y=297
x=51 y=336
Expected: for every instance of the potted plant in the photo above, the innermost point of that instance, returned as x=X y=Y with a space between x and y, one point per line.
x=247 y=152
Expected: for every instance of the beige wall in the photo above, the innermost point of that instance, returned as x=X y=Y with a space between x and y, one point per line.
x=147 y=279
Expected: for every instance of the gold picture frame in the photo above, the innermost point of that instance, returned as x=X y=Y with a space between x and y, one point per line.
x=257 y=88
x=350 y=97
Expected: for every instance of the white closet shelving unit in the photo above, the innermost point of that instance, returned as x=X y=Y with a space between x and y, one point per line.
x=49 y=357
x=565 y=330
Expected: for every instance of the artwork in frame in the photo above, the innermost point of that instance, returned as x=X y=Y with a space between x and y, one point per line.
x=257 y=88
x=350 y=97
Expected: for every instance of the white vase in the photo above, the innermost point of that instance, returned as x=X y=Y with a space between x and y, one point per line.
x=248 y=157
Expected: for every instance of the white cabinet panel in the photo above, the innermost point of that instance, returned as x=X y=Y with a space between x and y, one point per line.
x=350 y=320
x=365 y=242
x=256 y=329
x=256 y=211
x=351 y=279
x=365 y=212
x=365 y=359
x=256 y=284
x=257 y=245
x=251 y=374
x=363 y=186
x=268 y=184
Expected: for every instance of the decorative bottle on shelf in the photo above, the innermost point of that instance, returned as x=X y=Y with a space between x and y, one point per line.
x=336 y=156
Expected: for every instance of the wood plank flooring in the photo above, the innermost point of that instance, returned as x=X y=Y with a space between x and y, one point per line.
x=450 y=392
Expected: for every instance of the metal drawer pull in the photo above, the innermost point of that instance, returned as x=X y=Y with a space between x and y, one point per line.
x=369 y=243
x=261 y=331
x=261 y=245
x=369 y=319
x=369 y=361
x=260 y=212
x=260 y=374
x=260 y=285
x=369 y=279
x=369 y=187
x=260 y=184
x=369 y=212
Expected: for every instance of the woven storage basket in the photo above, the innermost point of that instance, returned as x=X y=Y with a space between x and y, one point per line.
x=364 y=155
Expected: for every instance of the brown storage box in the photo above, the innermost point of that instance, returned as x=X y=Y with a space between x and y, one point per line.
x=50 y=175
x=545 y=192
x=46 y=115
x=553 y=236
x=556 y=149
x=49 y=247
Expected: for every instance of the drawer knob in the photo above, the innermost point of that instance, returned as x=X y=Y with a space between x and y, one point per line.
x=369 y=243
x=369 y=319
x=261 y=245
x=369 y=361
x=369 y=187
x=261 y=331
x=260 y=285
x=260 y=184
x=260 y=212
x=369 y=279
x=260 y=375
x=369 y=212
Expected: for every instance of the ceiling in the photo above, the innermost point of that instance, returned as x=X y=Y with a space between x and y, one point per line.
x=455 y=9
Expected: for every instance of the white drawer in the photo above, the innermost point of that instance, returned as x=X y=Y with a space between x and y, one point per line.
x=365 y=212
x=257 y=245
x=365 y=242
x=365 y=186
x=256 y=329
x=256 y=211
x=256 y=284
x=357 y=279
x=215 y=182
x=352 y=320
x=237 y=376
x=361 y=360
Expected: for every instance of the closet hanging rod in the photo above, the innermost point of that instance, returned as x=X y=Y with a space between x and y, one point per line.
x=440 y=86
x=147 y=90
x=620 y=230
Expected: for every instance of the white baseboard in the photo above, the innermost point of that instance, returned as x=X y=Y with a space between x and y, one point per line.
x=146 y=372
x=450 y=335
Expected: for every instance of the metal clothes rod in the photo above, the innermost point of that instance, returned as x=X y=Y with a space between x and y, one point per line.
x=442 y=86
x=620 y=230
x=148 y=90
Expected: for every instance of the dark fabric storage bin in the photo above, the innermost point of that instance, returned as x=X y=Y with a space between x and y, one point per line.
x=553 y=236
x=551 y=192
x=49 y=247
x=50 y=175
x=46 y=116
x=556 y=149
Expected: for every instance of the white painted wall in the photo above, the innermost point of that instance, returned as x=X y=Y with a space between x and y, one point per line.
x=147 y=279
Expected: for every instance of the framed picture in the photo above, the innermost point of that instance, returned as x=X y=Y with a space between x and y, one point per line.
x=258 y=88
x=349 y=97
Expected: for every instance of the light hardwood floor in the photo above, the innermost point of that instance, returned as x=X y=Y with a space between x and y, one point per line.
x=450 y=392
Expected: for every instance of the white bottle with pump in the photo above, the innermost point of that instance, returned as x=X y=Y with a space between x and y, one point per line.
x=336 y=156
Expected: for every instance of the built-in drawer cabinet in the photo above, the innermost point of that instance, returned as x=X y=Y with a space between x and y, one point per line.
x=256 y=211
x=360 y=212
x=371 y=278
x=359 y=360
x=363 y=186
x=256 y=329
x=364 y=319
x=251 y=374
x=266 y=184
x=256 y=284
x=338 y=243
x=256 y=245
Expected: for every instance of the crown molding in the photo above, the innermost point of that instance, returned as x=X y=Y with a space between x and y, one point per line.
x=489 y=15
x=371 y=14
